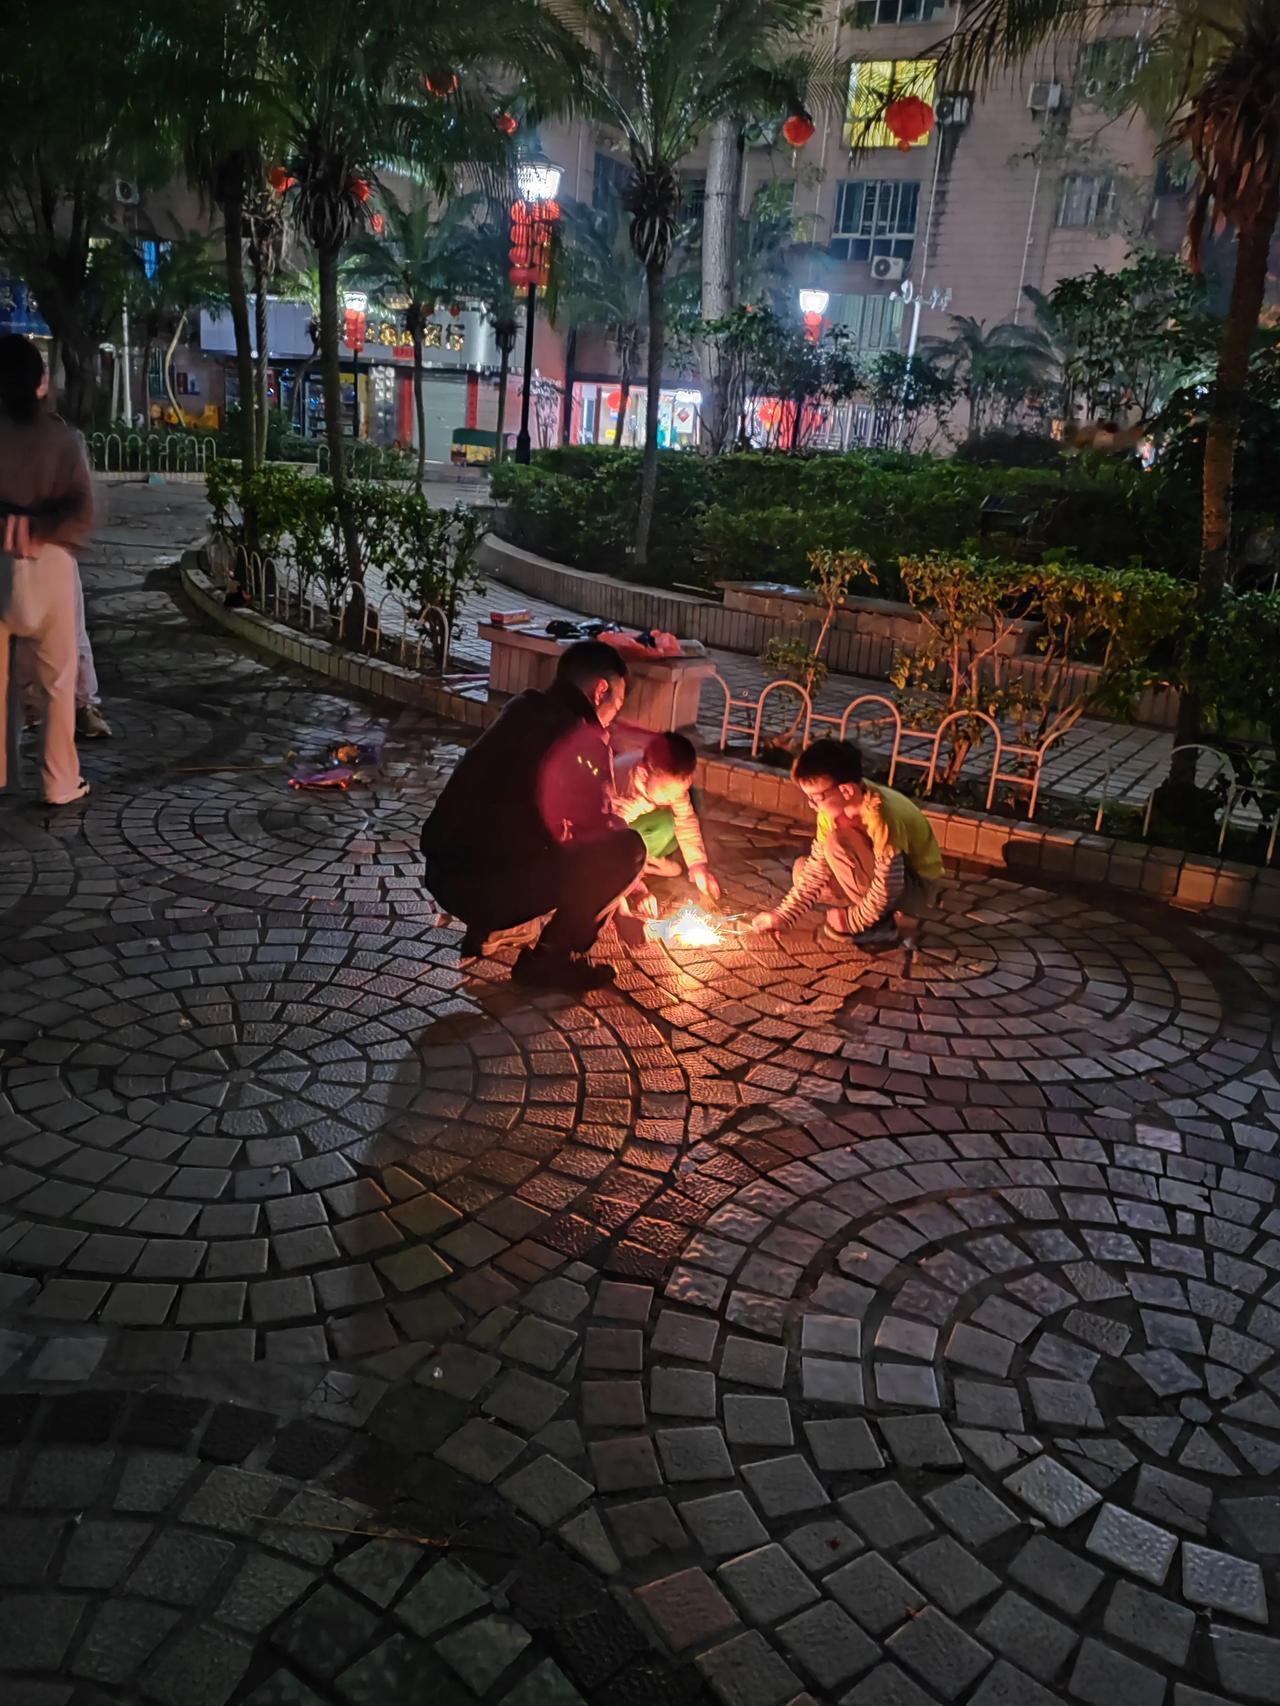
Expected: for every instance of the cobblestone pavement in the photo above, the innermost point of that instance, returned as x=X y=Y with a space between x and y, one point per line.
x=779 y=1327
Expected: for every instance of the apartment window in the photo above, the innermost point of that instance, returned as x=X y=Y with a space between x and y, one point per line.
x=873 y=85
x=870 y=12
x=875 y=216
x=693 y=195
x=1172 y=176
x=1106 y=66
x=1086 y=200
x=873 y=322
x=608 y=181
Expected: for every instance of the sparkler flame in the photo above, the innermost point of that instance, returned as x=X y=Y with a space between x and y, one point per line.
x=690 y=927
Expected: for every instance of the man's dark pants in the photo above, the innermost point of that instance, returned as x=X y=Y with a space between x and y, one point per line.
x=581 y=883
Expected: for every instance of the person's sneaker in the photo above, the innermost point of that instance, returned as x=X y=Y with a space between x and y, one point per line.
x=572 y=973
x=82 y=792
x=882 y=935
x=91 y=724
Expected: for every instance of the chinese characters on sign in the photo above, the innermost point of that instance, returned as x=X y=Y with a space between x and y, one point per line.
x=391 y=334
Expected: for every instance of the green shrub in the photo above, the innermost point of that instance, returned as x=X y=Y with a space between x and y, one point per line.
x=758 y=516
x=775 y=544
x=425 y=555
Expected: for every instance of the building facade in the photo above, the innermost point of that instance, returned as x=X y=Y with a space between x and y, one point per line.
x=1030 y=182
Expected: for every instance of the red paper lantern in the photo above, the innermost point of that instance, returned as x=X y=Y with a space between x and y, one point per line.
x=798 y=129
x=378 y=224
x=507 y=123
x=909 y=119
x=441 y=84
x=360 y=189
x=280 y=180
x=455 y=308
x=613 y=402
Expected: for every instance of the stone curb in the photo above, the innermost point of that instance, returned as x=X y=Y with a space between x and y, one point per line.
x=1216 y=888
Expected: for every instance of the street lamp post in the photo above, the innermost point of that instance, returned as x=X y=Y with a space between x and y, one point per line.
x=532 y=218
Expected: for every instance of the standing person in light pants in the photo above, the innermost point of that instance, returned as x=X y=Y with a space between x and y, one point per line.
x=46 y=513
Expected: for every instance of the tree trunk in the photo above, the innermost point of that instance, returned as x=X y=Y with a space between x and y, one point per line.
x=570 y=360
x=331 y=372
x=1222 y=434
x=655 y=278
x=168 y=370
x=719 y=235
x=419 y=408
x=624 y=403
x=261 y=338
x=238 y=296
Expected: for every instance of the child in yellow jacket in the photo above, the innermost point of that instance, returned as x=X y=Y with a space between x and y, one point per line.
x=873 y=851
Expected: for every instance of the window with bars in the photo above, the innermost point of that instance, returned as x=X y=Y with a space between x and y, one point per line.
x=872 y=321
x=1086 y=199
x=869 y=12
x=874 y=84
x=693 y=195
x=608 y=180
x=875 y=216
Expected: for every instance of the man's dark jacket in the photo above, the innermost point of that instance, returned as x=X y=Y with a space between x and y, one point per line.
x=541 y=777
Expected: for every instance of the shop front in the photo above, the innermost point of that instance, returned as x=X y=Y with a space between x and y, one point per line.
x=596 y=405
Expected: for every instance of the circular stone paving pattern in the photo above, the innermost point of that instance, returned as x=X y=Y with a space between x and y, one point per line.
x=980 y=1417
x=233 y=1128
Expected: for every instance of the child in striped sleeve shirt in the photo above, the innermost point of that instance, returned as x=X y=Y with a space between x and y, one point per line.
x=873 y=852
x=652 y=796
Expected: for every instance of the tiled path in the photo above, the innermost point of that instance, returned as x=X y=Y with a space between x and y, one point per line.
x=1125 y=761
x=779 y=1327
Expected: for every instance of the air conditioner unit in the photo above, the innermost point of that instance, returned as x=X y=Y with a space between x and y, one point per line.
x=888 y=267
x=126 y=192
x=953 y=109
x=1045 y=97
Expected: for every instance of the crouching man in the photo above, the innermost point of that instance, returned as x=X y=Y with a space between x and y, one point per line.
x=526 y=824
x=873 y=855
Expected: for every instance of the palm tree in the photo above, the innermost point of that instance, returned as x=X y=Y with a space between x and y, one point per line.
x=993 y=367
x=425 y=256
x=353 y=87
x=668 y=70
x=76 y=120
x=187 y=276
x=1209 y=79
x=602 y=284
x=228 y=125
x=302 y=284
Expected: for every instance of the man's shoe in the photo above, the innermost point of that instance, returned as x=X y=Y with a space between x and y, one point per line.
x=91 y=724
x=474 y=944
x=574 y=974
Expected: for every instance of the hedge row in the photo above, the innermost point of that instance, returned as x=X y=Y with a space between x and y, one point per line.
x=758 y=517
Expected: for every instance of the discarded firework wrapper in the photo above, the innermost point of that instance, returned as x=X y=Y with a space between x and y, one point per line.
x=337 y=776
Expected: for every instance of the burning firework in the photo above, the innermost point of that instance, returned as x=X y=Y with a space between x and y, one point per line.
x=691 y=927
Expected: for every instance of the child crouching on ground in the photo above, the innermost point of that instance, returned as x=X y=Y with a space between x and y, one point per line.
x=874 y=852
x=652 y=796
